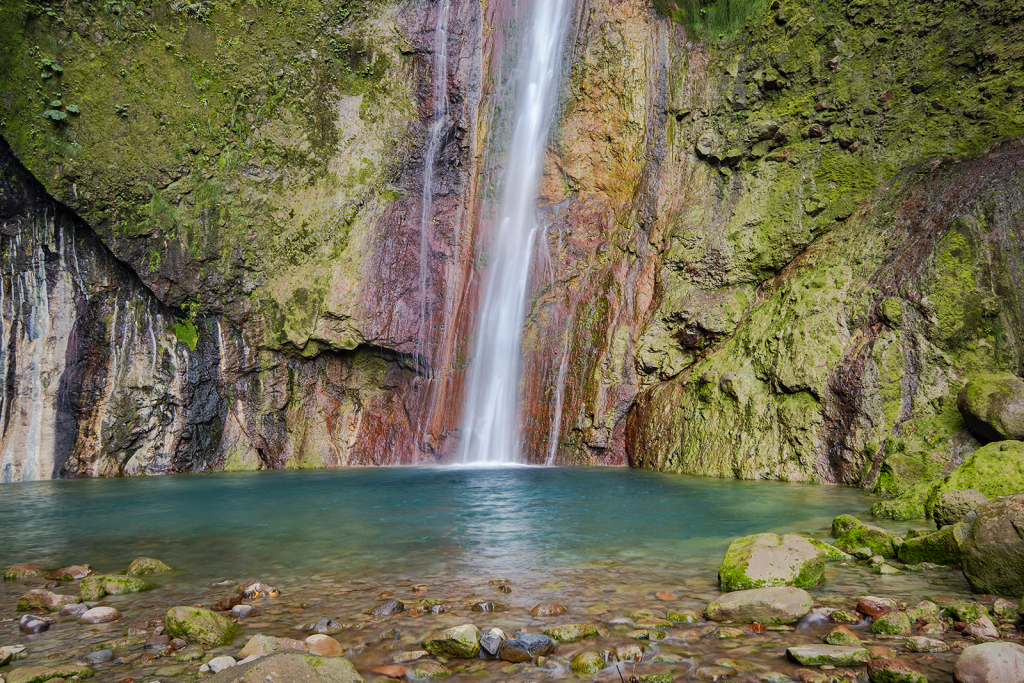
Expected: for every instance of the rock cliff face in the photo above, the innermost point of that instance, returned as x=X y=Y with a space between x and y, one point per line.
x=763 y=253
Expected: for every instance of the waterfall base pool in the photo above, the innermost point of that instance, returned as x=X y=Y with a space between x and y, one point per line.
x=606 y=543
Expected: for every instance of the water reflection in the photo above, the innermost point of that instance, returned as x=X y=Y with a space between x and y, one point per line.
x=402 y=521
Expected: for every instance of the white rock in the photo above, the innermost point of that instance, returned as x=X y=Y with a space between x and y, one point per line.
x=220 y=663
x=99 y=615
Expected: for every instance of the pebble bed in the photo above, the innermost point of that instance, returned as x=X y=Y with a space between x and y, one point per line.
x=622 y=600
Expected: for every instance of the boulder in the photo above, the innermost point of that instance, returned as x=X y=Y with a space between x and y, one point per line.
x=894 y=671
x=21 y=571
x=525 y=647
x=427 y=670
x=832 y=655
x=587 y=663
x=951 y=507
x=991 y=547
x=880 y=541
x=925 y=644
x=965 y=611
x=893 y=624
x=843 y=523
x=72 y=573
x=146 y=565
x=767 y=560
x=291 y=667
x=783 y=605
x=875 y=607
x=993 y=406
x=841 y=635
x=982 y=629
x=990 y=663
x=570 y=633
x=939 y=547
x=829 y=552
x=199 y=625
x=96 y=587
x=459 y=641
x=44 y=600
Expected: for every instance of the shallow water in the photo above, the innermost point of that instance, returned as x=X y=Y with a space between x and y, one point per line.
x=602 y=542
x=364 y=522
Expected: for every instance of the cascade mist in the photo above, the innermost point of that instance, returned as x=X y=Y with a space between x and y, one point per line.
x=491 y=417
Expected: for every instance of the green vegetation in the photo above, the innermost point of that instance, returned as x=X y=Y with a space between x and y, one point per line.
x=714 y=18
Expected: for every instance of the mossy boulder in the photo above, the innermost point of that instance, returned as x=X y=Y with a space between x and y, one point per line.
x=291 y=667
x=830 y=553
x=459 y=641
x=939 y=547
x=570 y=633
x=21 y=571
x=587 y=663
x=992 y=406
x=951 y=507
x=199 y=625
x=41 y=599
x=966 y=611
x=100 y=585
x=880 y=541
x=991 y=547
x=894 y=623
x=841 y=635
x=39 y=674
x=146 y=565
x=767 y=560
x=843 y=523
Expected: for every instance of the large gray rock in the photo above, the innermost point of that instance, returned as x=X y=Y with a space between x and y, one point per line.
x=991 y=547
x=952 y=506
x=459 y=641
x=761 y=605
x=993 y=406
x=291 y=667
x=767 y=560
x=991 y=663
x=525 y=647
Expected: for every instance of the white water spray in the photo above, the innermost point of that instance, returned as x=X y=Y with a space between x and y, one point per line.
x=491 y=423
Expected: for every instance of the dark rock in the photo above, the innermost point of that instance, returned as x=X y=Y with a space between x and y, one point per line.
x=388 y=607
x=98 y=657
x=816 y=131
x=917 y=88
x=993 y=406
x=225 y=604
x=327 y=627
x=160 y=642
x=244 y=612
x=525 y=647
x=952 y=506
x=491 y=641
x=30 y=623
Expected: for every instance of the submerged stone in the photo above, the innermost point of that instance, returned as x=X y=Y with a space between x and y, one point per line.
x=21 y=571
x=146 y=565
x=770 y=606
x=834 y=655
x=96 y=587
x=388 y=607
x=547 y=609
x=38 y=674
x=72 y=573
x=570 y=633
x=587 y=663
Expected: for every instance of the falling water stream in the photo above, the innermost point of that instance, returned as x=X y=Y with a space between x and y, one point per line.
x=491 y=424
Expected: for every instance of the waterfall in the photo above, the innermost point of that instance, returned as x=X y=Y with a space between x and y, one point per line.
x=491 y=424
